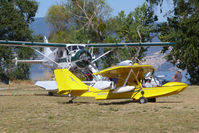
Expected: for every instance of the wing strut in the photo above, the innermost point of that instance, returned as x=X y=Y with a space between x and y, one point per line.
x=127 y=78
x=101 y=56
x=135 y=77
x=45 y=56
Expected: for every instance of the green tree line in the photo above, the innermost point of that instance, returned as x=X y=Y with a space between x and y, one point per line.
x=15 y=17
x=182 y=27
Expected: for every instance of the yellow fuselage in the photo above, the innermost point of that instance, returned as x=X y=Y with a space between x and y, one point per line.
x=170 y=88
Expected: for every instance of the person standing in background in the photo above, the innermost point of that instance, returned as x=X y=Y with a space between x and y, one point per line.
x=178 y=76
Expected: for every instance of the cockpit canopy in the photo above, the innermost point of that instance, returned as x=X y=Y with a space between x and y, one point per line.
x=75 y=47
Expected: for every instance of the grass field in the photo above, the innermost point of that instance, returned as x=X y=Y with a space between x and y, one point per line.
x=27 y=108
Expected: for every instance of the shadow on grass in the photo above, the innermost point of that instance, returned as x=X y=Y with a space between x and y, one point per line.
x=131 y=101
x=99 y=103
x=169 y=102
x=77 y=103
x=40 y=94
x=55 y=95
x=118 y=103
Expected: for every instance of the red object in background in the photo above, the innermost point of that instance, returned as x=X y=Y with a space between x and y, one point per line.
x=90 y=77
x=9 y=85
x=174 y=78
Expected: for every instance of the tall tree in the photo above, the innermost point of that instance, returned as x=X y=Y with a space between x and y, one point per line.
x=183 y=28
x=85 y=17
x=137 y=26
x=15 y=17
x=78 y=21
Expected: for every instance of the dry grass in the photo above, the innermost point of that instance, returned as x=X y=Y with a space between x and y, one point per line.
x=28 y=109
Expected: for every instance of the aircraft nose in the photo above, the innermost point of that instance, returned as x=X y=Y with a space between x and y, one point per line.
x=184 y=86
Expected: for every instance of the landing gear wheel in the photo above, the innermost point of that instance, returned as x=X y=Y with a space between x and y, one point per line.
x=50 y=93
x=153 y=100
x=142 y=100
x=70 y=101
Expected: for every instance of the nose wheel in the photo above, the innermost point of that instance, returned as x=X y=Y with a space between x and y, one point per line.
x=142 y=99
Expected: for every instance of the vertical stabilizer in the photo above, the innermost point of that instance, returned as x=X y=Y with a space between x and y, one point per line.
x=67 y=81
x=47 y=51
x=45 y=39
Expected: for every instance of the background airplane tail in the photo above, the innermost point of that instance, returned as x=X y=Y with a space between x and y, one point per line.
x=68 y=82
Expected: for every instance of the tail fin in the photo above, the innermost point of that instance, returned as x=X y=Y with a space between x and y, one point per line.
x=45 y=39
x=66 y=81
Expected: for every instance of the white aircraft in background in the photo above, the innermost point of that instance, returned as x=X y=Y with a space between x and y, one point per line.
x=75 y=57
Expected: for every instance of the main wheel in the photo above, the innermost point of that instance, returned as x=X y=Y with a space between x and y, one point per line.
x=142 y=100
x=70 y=101
x=50 y=93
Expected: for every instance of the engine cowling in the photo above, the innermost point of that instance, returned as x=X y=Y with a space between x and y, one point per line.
x=83 y=58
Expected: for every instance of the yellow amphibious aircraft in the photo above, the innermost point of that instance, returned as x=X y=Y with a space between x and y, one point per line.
x=127 y=84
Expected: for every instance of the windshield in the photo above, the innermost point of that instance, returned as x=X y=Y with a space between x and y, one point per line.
x=149 y=74
x=69 y=48
x=74 y=48
x=81 y=47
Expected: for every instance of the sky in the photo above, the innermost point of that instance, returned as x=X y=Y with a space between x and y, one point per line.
x=116 y=5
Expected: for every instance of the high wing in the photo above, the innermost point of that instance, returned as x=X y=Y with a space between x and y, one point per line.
x=112 y=45
x=126 y=75
x=30 y=44
x=97 y=45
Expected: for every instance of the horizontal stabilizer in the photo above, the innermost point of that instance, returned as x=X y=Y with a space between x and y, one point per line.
x=66 y=81
x=47 y=85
